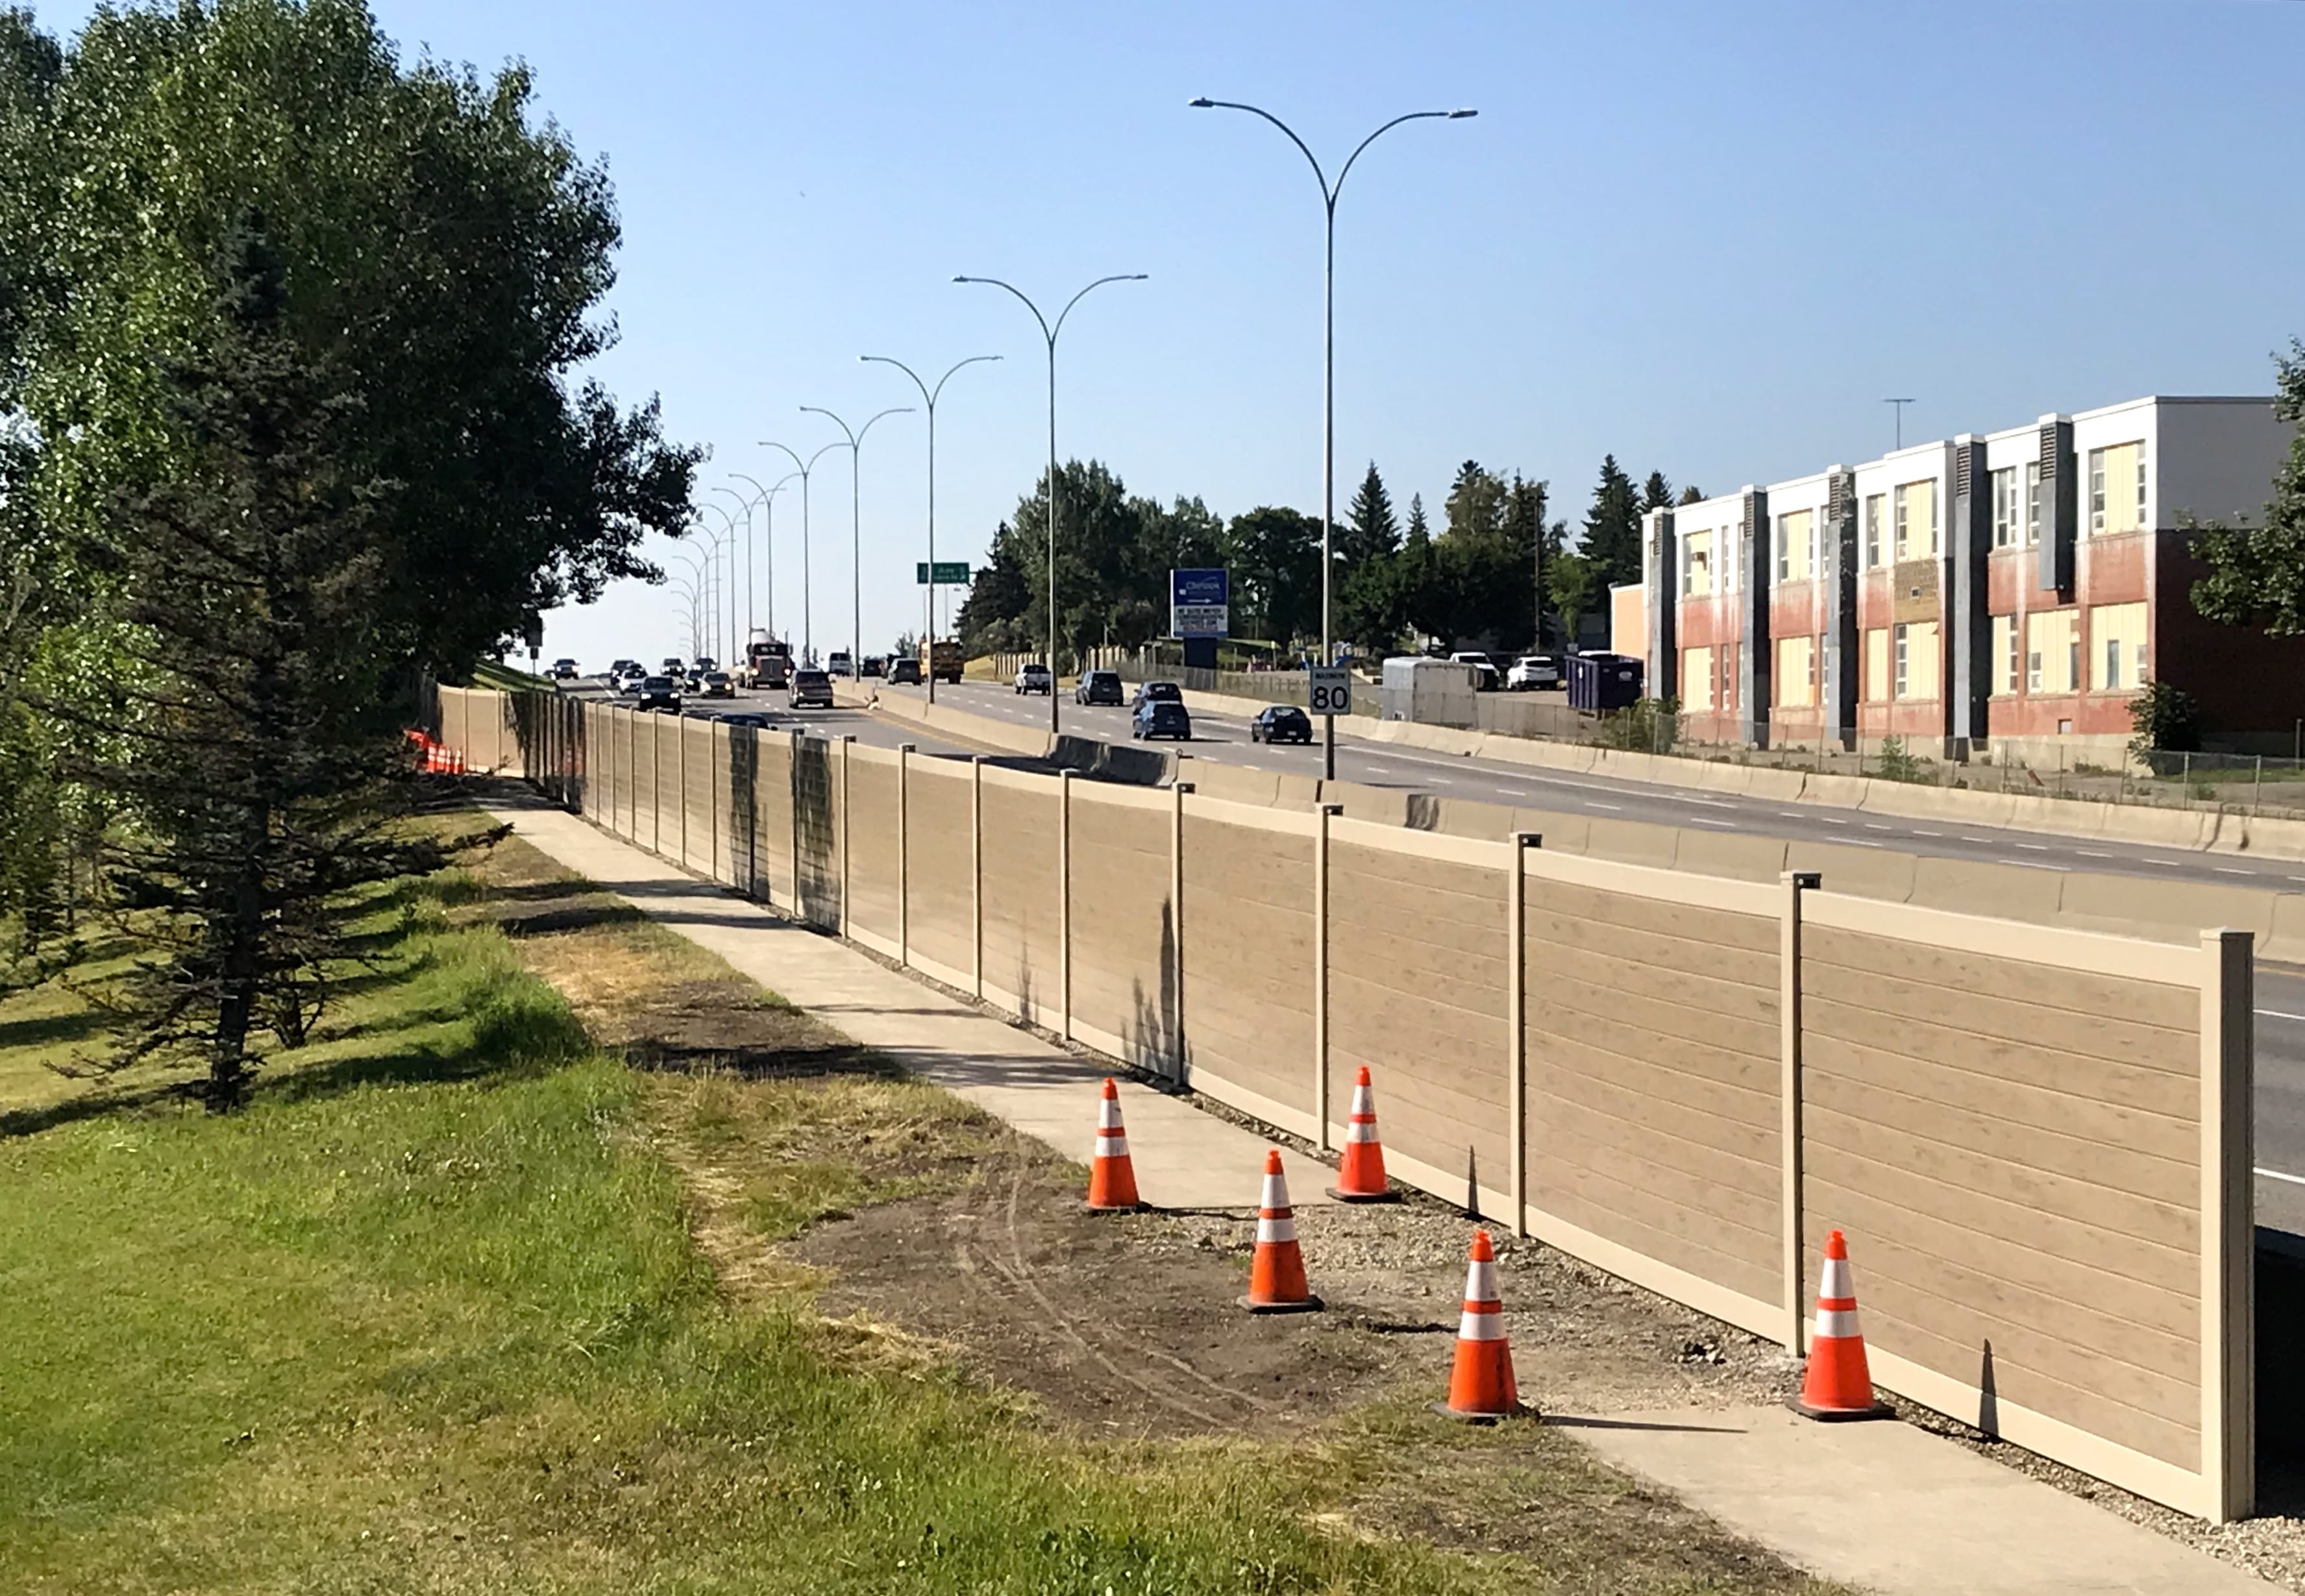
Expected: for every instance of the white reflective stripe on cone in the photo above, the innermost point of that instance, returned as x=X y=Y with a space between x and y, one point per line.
x=1283 y=1229
x=1836 y=1324
x=1112 y=1144
x=1481 y=1327
x=1108 y=1114
x=1361 y=1130
x=1276 y=1193
x=1836 y=1279
x=1364 y=1101
x=1481 y=1283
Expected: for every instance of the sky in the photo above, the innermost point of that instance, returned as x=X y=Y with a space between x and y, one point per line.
x=1707 y=238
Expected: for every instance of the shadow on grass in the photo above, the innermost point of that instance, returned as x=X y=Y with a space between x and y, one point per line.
x=833 y=1057
x=48 y=1030
x=92 y=1105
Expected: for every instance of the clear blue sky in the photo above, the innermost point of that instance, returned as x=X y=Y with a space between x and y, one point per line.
x=1708 y=237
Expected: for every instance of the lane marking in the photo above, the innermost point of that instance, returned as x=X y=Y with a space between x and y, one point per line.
x=1918 y=833
x=1876 y=826
x=2091 y=853
x=1515 y=791
x=1614 y=808
x=2279 y=1014
x=1711 y=802
x=2034 y=847
x=1724 y=825
x=2031 y=864
x=1864 y=842
x=1442 y=781
x=1829 y=821
x=2166 y=864
x=2294 y=1180
x=2226 y=870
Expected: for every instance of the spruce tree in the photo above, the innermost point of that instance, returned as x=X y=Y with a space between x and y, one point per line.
x=1613 y=527
x=1370 y=530
x=1656 y=493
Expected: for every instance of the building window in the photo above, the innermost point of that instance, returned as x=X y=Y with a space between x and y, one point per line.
x=2116 y=489
x=1796 y=546
x=2004 y=507
x=2052 y=650
x=1696 y=678
x=1904 y=662
x=1796 y=672
x=1876 y=512
x=1696 y=566
x=2008 y=661
x=1917 y=520
x=2032 y=502
x=2096 y=491
x=2117 y=647
x=2141 y=521
x=1919 y=664
x=1876 y=664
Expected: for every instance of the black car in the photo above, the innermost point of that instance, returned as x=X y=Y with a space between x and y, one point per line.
x=1099 y=687
x=1156 y=692
x=904 y=671
x=1160 y=718
x=564 y=670
x=759 y=723
x=811 y=690
x=1280 y=723
x=658 y=693
x=876 y=665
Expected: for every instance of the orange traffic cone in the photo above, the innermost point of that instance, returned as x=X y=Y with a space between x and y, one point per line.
x=1111 y=1177
x=1837 y=1385
x=1276 y=1275
x=1481 y=1387
x=1360 y=1172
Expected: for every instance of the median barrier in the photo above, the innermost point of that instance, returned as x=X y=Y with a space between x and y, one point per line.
x=2162 y=910
x=1632 y=842
x=1739 y=856
x=2270 y=836
x=1971 y=886
x=1860 y=872
x=2287 y=942
x=1563 y=833
x=2195 y=830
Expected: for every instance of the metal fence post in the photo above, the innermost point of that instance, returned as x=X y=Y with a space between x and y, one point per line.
x=2228 y=1227
x=1323 y=814
x=976 y=872
x=903 y=854
x=1064 y=905
x=1789 y=1096
x=1177 y=914
x=848 y=747
x=1517 y=1019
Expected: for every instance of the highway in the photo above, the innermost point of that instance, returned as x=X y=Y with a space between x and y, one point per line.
x=2280 y=1154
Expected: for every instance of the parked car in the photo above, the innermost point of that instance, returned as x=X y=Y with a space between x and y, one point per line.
x=564 y=670
x=1155 y=693
x=717 y=684
x=905 y=671
x=1034 y=678
x=661 y=694
x=1534 y=670
x=1160 y=718
x=876 y=665
x=811 y=690
x=839 y=664
x=1280 y=723
x=1099 y=687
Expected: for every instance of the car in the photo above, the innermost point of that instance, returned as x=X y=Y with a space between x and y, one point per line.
x=705 y=662
x=628 y=684
x=1534 y=670
x=905 y=671
x=1485 y=670
x=875 y=666
x=1280 y=723
x=675 y=665
x=618 y=667
x=564 y=670
x=717 y=684
x=1155 y=693
x=1033 y=677
x=759 y=723
x=1099 y=687
x=837 y=663
x=811 y=690
x=660 y=693
x=1160 y=718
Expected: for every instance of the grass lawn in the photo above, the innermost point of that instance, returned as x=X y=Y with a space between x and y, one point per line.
x=506 y=678
x=432 y=1315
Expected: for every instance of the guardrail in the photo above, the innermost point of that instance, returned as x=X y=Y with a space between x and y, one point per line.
x=2037 y=1139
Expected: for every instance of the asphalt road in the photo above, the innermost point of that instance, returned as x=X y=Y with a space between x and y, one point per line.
x=2280 y=1153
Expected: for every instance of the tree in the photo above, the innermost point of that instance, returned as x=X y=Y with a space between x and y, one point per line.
x=258 y=740
x=1572 y=583
x=1613 y=527
x=1369 y=531
x=1274 y=553
x=1423 y=602
x=1476 y=505
x=1656 y=493
x=443 y=246
x=998 y=595
x=1692 y=494
x=2257 y=574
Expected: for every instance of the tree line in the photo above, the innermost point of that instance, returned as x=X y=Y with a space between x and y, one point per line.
x=1500 y=573
x=290 y=418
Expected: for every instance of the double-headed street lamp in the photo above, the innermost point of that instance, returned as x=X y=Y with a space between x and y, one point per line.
x=807 y=602
x=727 y=541
x=766 y=498
x=929 y=397
x=856 y=436
x=1329 y=192
x=1048 y=334
x=745 y=545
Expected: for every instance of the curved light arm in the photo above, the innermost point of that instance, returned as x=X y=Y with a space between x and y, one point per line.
x=1329 y=191
x=806 y=465
x=928 y=394
x=761 y=494
x=1346 y=170
x=1101 y=282
x=1047 y=336
x=746 y=504
x=857 y=434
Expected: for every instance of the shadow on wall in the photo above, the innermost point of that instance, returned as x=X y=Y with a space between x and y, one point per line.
x=744 y=814
x=1424 y=812
x=813 y=840
x=1156 y=1037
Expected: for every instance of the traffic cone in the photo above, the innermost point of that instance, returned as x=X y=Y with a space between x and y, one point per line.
x=1276 y=1275
x=1360 y=1172
x=1111 y=1177
x=1481 y=1387
x=1837 y=1384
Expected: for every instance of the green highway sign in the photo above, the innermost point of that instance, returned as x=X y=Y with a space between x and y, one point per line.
x=948 y=573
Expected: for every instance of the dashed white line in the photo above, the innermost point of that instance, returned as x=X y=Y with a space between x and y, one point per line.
x=2032 y=864
x=1864 y=842
x=1613 y=808
x=1515 y=791
x=2166 y=864
x=1709 y=802
x=1876 y=826
x=1918 y=833
x=1829 y=821
x=2294 y=1180
x=2279 y=1014
x=2034 y=848
x=1722 y=825
x=2092 y=853
x=2226 y=870
x=1442 y=781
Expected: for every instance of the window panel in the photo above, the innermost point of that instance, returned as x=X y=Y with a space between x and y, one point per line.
x=2004 y=507
x=2006 y=662
x=1876 y=664
x=2052 y=650
x=2032 y=502
x=1696 y=679
x=2116 y=648
x=1877 y=530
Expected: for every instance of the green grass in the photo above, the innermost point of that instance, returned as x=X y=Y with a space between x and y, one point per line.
x=506 y=678
x=427 y=1317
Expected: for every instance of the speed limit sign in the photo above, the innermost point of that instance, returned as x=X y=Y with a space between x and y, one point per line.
x=1330 y=689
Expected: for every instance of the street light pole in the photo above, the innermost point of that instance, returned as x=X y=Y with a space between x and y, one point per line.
x=736 y=638
x=856 y=528
x=728 y=542
x=1329 y=192
x=766 y=496
x=929 y=398
x=1048 y=334
x=807 y=603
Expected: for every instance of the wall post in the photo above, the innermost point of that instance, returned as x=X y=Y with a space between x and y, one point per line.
x=2228 y=1227
x=903 y=854
x=682 y=764
x=792 y=808
x=848 y=747
x=976 y=872
x=656 y=786
x=1321 y=815
x=1064 y=905
x=713 y=764
x=1177 y=792
x=1793 y=884
x=1517 y=1019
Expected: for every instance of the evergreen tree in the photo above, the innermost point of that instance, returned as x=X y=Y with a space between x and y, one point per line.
x=1692 y=494
x=257 y=745
x=1422 y=597
x=1613 y=527
x=2257 y=574
x=1656 y=493
x=1369 y=531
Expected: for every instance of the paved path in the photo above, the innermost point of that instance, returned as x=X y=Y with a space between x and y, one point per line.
x=1185 y=1159
x=1894 y=1510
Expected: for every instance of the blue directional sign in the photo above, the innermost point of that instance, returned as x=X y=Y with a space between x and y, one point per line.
x=1199 y=603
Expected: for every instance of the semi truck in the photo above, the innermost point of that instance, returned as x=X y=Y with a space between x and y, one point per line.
x=943 y=659
x=768 y=663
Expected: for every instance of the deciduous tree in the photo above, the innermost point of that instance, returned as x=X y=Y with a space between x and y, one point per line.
x=2257 y=574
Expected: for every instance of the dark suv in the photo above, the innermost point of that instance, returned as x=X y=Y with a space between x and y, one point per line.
x=659 y=692
x=1099 y=687
x=1160 y=718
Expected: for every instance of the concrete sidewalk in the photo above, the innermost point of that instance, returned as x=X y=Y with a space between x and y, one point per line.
x=1894 y=1510
x=1185 y=1159
x=1882 y=1507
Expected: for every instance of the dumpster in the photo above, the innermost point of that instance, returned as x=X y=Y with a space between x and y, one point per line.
x=1598 y=682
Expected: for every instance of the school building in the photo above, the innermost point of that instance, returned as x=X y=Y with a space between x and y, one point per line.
x=2007 y=591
